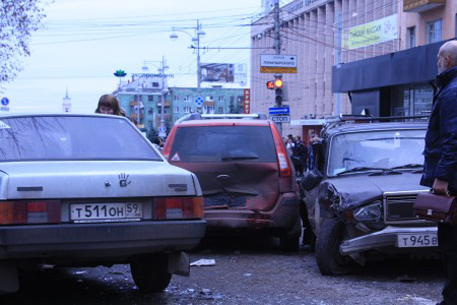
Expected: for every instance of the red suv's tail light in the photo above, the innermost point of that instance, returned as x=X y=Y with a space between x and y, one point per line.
x=29 y=212
x=283 y=160
x=178 y=208
x=168 y=144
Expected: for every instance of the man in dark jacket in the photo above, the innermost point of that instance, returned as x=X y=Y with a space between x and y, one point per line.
x=301 y=150
x=440 y=167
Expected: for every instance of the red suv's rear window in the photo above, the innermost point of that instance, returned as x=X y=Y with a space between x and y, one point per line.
x=199 y=144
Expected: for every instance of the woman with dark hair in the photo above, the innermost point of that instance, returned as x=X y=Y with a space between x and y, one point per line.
x=108 y=104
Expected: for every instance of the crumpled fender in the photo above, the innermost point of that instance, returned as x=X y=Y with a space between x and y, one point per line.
x=328 y=199
x=346 y=194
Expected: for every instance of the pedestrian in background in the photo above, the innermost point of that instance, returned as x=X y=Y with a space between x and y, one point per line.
x=440 y=165
x=302 y=151
x=290 y=145
x=108 y=104
x=296 y=159
x=158 y=143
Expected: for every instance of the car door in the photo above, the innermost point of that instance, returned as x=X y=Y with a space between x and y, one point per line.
x=236 y=165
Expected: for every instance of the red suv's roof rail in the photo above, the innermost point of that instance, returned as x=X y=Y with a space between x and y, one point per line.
x=198 y=116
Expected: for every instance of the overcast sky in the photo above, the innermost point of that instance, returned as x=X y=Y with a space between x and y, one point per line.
x=84 y=42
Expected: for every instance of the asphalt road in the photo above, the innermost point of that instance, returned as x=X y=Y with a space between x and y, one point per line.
x=247 y=271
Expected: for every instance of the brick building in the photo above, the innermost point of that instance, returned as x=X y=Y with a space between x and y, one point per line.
x=376 y=56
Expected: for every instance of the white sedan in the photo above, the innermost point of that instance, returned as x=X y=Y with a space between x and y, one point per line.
x=88 y=190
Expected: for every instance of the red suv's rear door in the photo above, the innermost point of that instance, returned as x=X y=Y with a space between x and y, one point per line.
x=237 y=166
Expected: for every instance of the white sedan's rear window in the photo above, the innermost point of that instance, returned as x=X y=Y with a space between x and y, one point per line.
x=72 y=138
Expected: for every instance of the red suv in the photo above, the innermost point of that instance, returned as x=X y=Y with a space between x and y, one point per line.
x=244 y=170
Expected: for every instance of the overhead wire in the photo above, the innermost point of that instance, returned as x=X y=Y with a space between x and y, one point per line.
x=148 y=31
x=358 y=16
x=229 y=38
x=323 y=43
x=316 y=25
x=165 y=15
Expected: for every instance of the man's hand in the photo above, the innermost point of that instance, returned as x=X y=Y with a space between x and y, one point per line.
x=440 y=186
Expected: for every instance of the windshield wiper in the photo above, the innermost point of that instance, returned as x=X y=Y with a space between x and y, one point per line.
x=227 y=158
x=410 y=165
x=366 y=168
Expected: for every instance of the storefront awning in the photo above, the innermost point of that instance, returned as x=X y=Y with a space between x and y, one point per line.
x=415 y=65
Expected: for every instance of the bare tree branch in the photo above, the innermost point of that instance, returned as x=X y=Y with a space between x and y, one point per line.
x=18 y=20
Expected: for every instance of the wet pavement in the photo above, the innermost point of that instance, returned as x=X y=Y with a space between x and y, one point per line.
x=246 y=271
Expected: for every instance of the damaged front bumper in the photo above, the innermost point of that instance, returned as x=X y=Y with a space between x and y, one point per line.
x=392 y=237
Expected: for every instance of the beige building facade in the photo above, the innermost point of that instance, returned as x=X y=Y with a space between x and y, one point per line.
x=347 y=52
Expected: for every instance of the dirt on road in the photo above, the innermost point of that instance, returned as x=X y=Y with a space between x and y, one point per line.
x=246 y=271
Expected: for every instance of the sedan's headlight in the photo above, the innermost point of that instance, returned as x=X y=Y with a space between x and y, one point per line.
x=371 y=212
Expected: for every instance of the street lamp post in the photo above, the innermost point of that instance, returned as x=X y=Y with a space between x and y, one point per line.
x=138 y=106
x=198 y=32
x=162 y=94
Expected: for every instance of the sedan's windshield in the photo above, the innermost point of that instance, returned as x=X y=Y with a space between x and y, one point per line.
x=72 y=138
x=387 y=149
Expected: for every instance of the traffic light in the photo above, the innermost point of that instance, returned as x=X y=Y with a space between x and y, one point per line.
x=278 y=83
x=278 y=91
x=270 y=85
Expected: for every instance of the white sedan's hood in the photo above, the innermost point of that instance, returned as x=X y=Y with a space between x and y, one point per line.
x=96 y=179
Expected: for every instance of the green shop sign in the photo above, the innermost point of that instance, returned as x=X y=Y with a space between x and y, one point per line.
x=370 y=33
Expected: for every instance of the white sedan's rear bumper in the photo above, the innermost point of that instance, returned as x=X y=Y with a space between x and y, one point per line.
x=86 y=242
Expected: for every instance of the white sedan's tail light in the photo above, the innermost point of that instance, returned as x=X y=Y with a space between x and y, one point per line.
x=178 y=208
x=29 y=212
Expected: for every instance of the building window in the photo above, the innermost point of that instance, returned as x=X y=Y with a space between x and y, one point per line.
x=221 y=98
x=177 y=109
x=150 y=98
x=187 y=109
x=155 y=84
x=221 y=110
x=411 y=37
x=149 y=124
x=412 y=100
x=209 y=109
x=209 y=98
x=176 y=97
x=186 y=98
x=434 y=31
x=150 y=111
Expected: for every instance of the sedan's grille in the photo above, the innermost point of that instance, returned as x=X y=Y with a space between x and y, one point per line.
x=400 y=208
